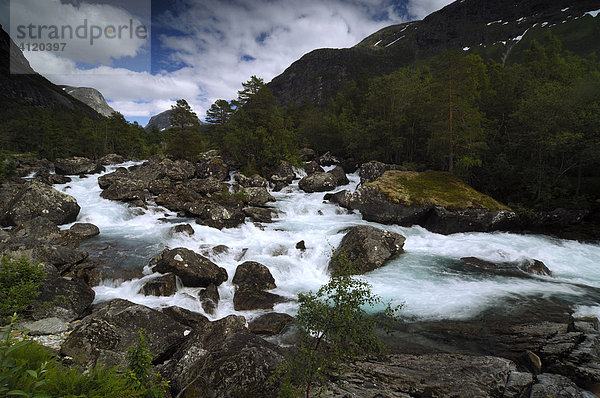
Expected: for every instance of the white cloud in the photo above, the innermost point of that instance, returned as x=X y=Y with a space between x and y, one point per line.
x=93 y=33
x=213 y=38
x=421 y=8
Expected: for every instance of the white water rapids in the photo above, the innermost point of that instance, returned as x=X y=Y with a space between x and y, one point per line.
x=421 y=278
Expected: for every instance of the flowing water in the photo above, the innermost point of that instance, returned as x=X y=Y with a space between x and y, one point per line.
x=427 y=278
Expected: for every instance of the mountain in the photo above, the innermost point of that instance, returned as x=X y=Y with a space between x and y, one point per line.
x=91 y=97
x=490 y=28
x=28 y=88
x=162 y=121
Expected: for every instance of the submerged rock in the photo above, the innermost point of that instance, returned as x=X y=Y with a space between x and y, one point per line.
x=365 y=248
x=193 y=269
x=520 y=269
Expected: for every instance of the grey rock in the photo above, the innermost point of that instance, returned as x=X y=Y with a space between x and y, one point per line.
x=313 y=167
x=366 y=248
x=223 y=359
x=253 y=274
x=270 y=324
x=104 y=336
x=552 y=385
x=46 y=326
x=252 y=181
x=434 y=375
x=60 y=297
x=77 y=166
x=81 y=231
x=518 y=385
x=258 y=196
x=184 y=229
x=209 y=299
x=206 y=186
x=259 y=214
x=247 y=298
x=219 y=216
x=342 y=198
x=318 y=182
x=164 y=285
x=34 y=199
x=193 y=269
x=370 y=171
x=340 y=175
x=91 y=97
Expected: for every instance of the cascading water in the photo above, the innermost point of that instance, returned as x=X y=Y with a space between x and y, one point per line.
x=425 y=278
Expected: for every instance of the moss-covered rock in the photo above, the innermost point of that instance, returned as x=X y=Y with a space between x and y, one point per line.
x=433 y=188
x=437 y=201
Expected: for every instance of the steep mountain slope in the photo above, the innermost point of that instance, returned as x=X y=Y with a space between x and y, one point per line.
x=29 y=88
x=490 y=28
x=91 y=97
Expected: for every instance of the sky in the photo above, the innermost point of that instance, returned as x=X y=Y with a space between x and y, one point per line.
x=199 y=50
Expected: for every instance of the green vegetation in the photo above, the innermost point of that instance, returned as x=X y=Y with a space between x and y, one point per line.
x=60 y=132
x=139 y=376
x=20 y=280
x=6 y=166
x=525 y=133
x=336 y=330
x=184 y=139
x=435 y=188
x=28 y=369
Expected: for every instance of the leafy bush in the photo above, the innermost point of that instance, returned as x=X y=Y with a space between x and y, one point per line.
x=336 y=328
x=19 y=283
x=28 y=369
x=139 y=376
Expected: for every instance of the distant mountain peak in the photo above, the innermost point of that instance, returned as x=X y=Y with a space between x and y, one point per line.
x=91 y=97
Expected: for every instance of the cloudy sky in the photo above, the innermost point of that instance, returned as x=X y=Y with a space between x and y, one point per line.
x=200 y=50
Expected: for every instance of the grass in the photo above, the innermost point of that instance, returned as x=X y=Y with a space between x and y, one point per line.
x=432 y=188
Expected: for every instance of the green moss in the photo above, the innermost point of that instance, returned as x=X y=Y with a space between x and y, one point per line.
x=411 y=188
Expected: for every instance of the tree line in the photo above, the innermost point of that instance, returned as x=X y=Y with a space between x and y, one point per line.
x=526 y=133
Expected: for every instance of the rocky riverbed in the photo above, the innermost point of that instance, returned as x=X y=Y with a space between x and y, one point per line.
x=209 y=262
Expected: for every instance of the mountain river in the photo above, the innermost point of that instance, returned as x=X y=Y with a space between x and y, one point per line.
x=427 y=278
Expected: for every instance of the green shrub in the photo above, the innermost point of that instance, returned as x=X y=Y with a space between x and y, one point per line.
x=30 y=370
x=336 y=330
x=20 y=280
x=139 y=375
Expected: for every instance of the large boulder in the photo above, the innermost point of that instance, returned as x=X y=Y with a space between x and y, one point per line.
x=370 y=171
x=365 y=248
x=60 y=297
x=313 y=167
x=76 y=166
x=340 y=175
x=213 y=167
x=206 y=186
x=219 y=216
x=223 y=359
x=433 y=375
x=164 y=285
x=252 y=181
x=34 y=199
x=81 y=231
x=193 y=269
x=251 y=280
x=318 y=182
x=253 y=274
x=257 y=196
x=104 y=336
x=284 y=174
x=437 y=201
x=327 y=159
x=39 y=228
x=111 y=158
x=259 y=214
